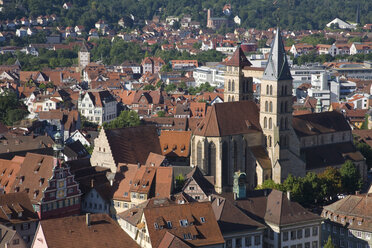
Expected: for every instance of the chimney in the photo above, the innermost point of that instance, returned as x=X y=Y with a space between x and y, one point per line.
x=138 y=165
x=210 y=198
x=87 y=219
x=357 y=192
x=289 y=195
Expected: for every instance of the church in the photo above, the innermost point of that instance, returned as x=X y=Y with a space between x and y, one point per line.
x=265 y=140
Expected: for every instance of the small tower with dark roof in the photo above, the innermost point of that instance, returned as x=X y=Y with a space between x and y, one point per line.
x=276 y=114
x=237 y=87
x=84 y=56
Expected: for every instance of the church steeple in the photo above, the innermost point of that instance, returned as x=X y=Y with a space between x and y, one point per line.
x=277 y=67
x=237 y=87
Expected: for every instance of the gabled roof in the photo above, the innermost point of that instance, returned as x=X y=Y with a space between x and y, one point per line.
x=20 y=207
x=171 y=241
x=230 y=118
x=230 y=218
x=132 y=145
x=103 y=231
x=277 y=67
x=319 y=123
x=238 y=59
x=199 y=178
x=207 y=233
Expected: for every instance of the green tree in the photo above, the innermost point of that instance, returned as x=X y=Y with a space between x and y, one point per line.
x=160 y=113
x=329 y=243
x=127 y=118
x=149 y=87
x=331 y=182
x=366 y=151
x=170 y=87
x=350 y=177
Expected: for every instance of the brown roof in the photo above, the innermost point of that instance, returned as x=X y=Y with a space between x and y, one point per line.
x=34 y=167
x=330 y=155
x=171 y=241
x=124 y=175
x=273 y=206
x=230 y=118
x=102 y=232
x=319 y=123
x=99 y=98
x=238 y=59
x=354 y=207
x=133 y=144
x=9 y=170
x=14 y=143
x=262 y=157
x=207 y=233
x=19 y=209
x=230 y=218
x=175 y=143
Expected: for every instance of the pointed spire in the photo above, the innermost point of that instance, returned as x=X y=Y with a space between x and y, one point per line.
x=238 y=59
x=277 y=65
x=84 y=48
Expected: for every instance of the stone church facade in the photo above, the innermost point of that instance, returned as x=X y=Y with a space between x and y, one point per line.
x=265 y=142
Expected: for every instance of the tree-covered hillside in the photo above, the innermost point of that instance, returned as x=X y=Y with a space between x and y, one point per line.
x=293 y=14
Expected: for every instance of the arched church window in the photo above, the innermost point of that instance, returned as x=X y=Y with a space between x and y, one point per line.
x=235 y=156
x=281 y=124
x=286 y=123
x=270 y=123
x=285 y=90
x=271 y=106
x=233 y=99
x=267 y=89
x=266 y=106
x=212 y=159
x=281 y=107
x=229 y=99
x=265 y=122
x=269 y=141
x=271 y=90
x=233 y=86
x=199 y=154
x=229 y=86
x=285 y=107
x=225 y=164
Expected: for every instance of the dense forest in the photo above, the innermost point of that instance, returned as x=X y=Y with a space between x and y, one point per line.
x=292 y=14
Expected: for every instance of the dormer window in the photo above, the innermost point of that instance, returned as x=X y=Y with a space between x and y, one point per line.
x=156 y=226
x=169 y=224
x=184 y=222
x=351 y=221
x=359 y=223
x=202 y=219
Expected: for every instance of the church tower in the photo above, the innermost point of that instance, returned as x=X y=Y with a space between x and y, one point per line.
x=84 y=57
x=276 y=114
x=237 y=87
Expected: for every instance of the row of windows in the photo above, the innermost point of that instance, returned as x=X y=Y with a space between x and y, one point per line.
x=299 y=233
x=60 y=204
x=247 y=241
x=95 y=206
x=283 y=107
x=307 y=245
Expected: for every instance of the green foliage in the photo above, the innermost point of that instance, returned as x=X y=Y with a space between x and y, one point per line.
x=170 y=87
x=205 y=87
x=149 y=87
x=127 y=118
x=316 y=39
x=292 y=14
x=11 y=110
x=314 y=189
x=160 y=113
x=365 y=123
x=180 y=181
x=329 y=243
x=350 y=178
x=89 y=149
x=86 y=124
x=366 y=151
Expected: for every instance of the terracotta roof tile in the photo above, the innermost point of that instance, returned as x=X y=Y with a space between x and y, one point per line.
x=102 y=232
x=175 y=143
